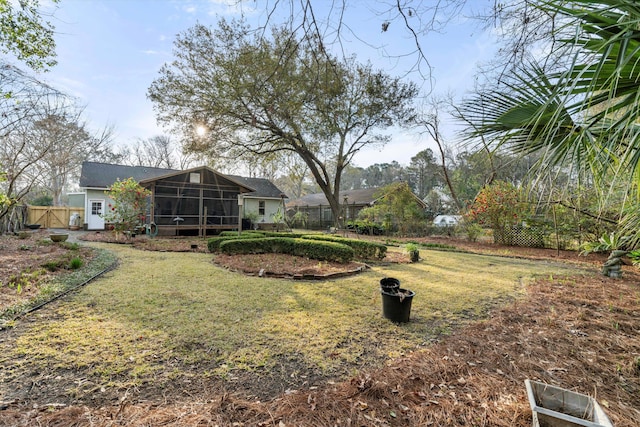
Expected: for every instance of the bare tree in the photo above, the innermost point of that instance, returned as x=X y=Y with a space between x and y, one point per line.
x=21 y=106
x=282 y=95
x=429 y=122
x=156 y=152
x=66 y=141
x=339 y=24
x=44 y=137
x=160 y=151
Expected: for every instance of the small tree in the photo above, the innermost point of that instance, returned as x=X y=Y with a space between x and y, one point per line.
x=496 y=206
x=129 y=205
x=396 y=207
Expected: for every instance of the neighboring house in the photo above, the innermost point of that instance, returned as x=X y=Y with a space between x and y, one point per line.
x=447 y=220
x=319 y=213
x=262 y=204
x=194 y=201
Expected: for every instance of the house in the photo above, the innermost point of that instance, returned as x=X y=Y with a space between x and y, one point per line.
x=447 y=220
x=319 y=215
x=262 y=204
x=193 y=201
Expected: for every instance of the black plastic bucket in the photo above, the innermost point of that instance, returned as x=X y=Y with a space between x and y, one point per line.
x=389 y=284
x=396 y=305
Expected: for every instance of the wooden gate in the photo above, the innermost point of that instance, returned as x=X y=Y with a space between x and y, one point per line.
x=53 y=216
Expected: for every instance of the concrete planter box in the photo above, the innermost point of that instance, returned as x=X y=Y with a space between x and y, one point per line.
x=556 y=407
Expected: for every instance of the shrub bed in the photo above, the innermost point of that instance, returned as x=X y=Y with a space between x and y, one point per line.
x=366 y=227
x=362 y=249
x=283 y=234
x=213 y=244
x=324 y=251
x=243 y=233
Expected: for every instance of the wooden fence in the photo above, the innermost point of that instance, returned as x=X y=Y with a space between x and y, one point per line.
x=53 y=216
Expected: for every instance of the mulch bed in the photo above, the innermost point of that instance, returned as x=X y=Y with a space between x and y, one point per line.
x=286 y=266
x=23 y=259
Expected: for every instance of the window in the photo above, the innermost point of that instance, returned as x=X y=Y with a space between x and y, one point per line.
x=261 y=208
x=96 y=208
x=194 y=177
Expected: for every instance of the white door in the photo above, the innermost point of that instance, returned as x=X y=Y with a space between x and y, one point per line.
x=95 y=220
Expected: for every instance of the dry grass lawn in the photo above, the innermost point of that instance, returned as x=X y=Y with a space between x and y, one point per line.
x=172 y=339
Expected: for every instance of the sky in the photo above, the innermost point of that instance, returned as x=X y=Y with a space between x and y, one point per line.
x=109 y=52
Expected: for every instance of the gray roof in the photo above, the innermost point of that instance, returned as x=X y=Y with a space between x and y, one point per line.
x=363 y=196
x=360 y=197
x=102 y=175
x=263 y=187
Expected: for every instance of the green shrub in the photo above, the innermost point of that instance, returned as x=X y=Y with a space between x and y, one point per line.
x=243 y=233
x=361 y=226
x=75 y=263
x=362 y=248
x=438 y=246
x=71 y=246
x=634 y=256
x=52 y=265
x=283 y=234
x=411 y=247
x=213 y=244
x=325 y=251
x=257 y=246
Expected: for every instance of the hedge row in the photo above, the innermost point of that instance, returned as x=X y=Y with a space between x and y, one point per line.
x=258 y=234
x=362 y=249
x=320 y=250
x=283 y=234
x=244 y=233
x=213 y=244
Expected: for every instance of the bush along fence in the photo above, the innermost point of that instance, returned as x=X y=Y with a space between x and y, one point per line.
x=319 y=247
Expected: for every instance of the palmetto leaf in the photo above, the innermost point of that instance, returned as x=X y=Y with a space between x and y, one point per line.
x=586 y=115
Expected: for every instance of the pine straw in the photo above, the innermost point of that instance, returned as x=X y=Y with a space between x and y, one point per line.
x=581 y=336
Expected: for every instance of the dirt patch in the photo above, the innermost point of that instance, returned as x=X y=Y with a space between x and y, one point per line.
x=280 y=265
x=29 y=260
x=143 y=242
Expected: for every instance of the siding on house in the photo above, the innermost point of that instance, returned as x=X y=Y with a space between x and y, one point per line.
x=265 y=191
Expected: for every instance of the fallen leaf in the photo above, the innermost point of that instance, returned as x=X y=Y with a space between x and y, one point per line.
x=362 y=405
